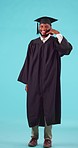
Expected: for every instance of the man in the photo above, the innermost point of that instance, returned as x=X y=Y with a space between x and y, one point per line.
x=41 y=74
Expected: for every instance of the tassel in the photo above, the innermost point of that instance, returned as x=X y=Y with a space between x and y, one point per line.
x=37 y=29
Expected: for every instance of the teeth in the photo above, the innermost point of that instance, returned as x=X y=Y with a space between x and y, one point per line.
x=43 y=31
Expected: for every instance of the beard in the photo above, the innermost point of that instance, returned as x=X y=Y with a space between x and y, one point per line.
x=45 y=35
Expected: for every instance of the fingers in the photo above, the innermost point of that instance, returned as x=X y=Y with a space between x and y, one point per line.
x=49 y=32
x=26 y=88
x=55 y=31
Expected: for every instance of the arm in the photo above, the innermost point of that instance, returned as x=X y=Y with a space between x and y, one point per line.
x=23 y=76
x=63 y=48
x=61 y=44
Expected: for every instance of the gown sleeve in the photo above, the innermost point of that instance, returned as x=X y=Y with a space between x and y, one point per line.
x=23 y=76
x=63 y=48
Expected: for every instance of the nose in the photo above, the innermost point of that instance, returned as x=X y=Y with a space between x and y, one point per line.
x=44 y=28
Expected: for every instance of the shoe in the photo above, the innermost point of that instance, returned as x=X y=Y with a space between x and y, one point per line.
x=33 y=142
x=47 y=143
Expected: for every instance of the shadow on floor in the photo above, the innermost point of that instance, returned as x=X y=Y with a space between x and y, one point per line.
x=17 y=144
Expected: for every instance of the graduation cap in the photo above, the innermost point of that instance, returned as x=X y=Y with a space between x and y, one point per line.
x=44 y=20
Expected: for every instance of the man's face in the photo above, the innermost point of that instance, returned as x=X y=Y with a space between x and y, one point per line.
x=43 y=29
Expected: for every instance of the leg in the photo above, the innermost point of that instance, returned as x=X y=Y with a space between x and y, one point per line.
x=48 y=131
x=34 y=135
x=35 y=132
x=47 y=136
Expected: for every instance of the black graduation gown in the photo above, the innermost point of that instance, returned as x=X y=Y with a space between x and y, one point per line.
x=41 y=71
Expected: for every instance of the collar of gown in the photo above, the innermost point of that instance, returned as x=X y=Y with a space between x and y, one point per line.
x=45 y=39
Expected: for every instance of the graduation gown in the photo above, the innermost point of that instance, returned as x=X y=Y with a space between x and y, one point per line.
x=41 y=71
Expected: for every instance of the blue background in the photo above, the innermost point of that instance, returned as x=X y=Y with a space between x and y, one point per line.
x=17 y=28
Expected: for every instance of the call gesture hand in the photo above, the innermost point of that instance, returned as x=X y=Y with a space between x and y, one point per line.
x=53 y=31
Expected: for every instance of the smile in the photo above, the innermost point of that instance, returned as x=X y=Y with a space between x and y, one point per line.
x=43 y=32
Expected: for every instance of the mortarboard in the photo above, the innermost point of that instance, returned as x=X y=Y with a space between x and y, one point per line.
x=45 y=20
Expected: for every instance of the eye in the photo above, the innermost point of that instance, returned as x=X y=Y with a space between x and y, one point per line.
x=41 y=26
x=47 y=26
